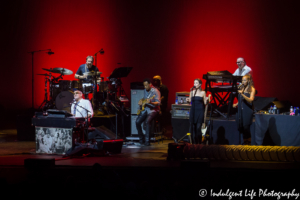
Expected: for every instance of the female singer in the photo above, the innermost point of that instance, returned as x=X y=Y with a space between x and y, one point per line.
x=198 y=99
x=244 y=116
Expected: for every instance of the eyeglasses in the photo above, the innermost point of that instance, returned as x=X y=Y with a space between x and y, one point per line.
x=77 y=93
x=239 y=62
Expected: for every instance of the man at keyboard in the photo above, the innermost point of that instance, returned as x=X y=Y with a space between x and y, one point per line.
x=80 y=106
x=242 y=69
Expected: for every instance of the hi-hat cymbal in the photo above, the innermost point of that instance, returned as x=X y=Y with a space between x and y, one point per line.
x=92 y=73
x=58 y=70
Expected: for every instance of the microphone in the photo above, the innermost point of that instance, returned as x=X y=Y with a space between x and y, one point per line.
x=50 y=52
x=240 y=86
x=101 y=51
x=72 y=102
x=193 y=88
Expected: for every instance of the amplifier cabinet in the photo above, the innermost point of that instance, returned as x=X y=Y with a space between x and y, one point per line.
x=136 y=95
x=181 y=111
x=181 y=97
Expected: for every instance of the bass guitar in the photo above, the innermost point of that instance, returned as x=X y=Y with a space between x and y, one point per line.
x=144 y=102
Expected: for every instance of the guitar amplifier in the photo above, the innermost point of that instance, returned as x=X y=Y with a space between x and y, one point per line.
x=181 y=111
x=136 y=95
x=181 y=97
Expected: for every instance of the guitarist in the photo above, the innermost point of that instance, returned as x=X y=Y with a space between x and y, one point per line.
x=198 y=99
x=150 y=111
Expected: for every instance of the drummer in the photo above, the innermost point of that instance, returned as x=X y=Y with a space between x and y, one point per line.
x=87 y=67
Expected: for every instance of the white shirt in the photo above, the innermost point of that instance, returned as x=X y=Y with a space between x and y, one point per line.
x=80 y=112
x=245 y=70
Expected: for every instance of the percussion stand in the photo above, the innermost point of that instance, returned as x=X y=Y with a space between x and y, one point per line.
x=45 y=102
x=95 y=102
x=51 y=81
x=32 y=70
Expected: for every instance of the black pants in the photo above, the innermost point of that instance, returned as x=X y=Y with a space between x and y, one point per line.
x=139 y=120
x=196 y=135
x=245 y=131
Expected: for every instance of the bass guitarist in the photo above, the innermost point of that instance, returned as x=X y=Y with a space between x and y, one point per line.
x=149 y=109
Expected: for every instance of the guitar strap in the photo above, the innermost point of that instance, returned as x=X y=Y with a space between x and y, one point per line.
x=150 y=93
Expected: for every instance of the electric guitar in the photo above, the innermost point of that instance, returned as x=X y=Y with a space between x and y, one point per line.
x=144 y=102
x=204 y=127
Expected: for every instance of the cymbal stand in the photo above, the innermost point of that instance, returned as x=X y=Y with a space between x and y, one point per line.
x=51 y=90
x=45 y=102
x=60 y=77
x=50 y=87
x=94 y=92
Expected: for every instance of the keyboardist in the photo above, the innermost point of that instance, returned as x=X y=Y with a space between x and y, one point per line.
x=242 y=69
x=77 y=108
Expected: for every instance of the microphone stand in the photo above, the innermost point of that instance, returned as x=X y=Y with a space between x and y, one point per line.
x=32 y=74
x=95 y=55
x=192 y=128
x=86 y=120
x=191 y=124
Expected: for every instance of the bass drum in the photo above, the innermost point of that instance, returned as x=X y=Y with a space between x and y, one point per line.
x=63 y=99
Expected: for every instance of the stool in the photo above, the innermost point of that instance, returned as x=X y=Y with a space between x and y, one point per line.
x=156 y=131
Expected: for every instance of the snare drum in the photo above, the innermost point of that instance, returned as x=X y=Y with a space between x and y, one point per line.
x=63 y=99
x=65 y=85
x=87 y=88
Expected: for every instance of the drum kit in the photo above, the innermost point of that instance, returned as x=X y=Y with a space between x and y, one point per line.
x=60 y=91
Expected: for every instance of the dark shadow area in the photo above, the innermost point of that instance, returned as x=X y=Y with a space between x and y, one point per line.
x=147 y=183
x=272 y=136
x=221 y=136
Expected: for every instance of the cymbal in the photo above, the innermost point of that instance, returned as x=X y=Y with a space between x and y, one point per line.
x=92 y=73
x=58 y=70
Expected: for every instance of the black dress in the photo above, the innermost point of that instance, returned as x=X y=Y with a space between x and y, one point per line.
x=197 y=108
x=244 y=116
x=196 y=119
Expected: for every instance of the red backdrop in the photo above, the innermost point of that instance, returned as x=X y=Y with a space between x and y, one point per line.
x=179 y=40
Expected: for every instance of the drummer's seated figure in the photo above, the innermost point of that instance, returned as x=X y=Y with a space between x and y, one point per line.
x=80 y=106
x=87 y=80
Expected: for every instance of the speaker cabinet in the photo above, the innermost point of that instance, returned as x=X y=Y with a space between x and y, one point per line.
x=136 y=95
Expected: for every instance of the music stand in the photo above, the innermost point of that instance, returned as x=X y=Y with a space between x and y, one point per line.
x=120 y=72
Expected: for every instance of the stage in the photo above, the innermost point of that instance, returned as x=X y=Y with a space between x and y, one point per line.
x=136 y=172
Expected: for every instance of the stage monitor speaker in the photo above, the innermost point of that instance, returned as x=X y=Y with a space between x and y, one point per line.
x=103 y=133
x=106 y=140
x=263 y=103
x=180 y=128
x=133 y=125
x=136 y=95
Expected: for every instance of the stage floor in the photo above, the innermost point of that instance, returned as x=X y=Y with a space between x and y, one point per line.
x=136 y=173
x=14 y=152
